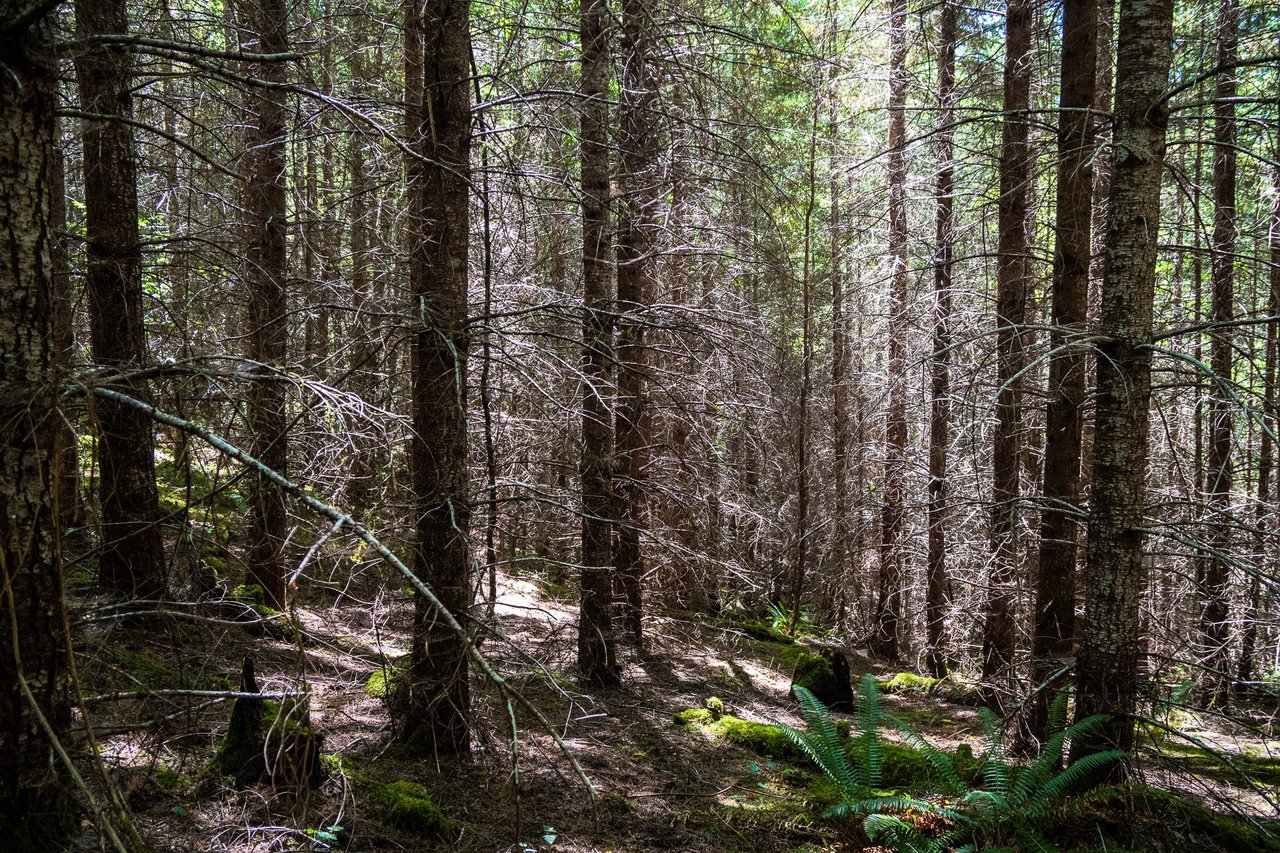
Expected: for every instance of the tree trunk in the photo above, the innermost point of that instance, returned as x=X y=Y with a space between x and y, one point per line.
x=940 y=398
x=884 y=639
x=435 y=706
x=1114 y=572
x=1266 y=453
x=132 y=560
x=1214 y=679
x=636 y=283
x=1012 y=283
x=1053 y=633
x=266 y=271
x=37 y=811
x=597 y=657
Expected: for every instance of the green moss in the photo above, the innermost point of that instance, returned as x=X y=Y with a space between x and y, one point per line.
x=279 y=624
x=1260 y=768
x=760 y=738
x=405 y=805
x=112 y=666
x=383 y=682
x=1150 y=819
x=907 y=682
x=715 y=705
x=693 y=717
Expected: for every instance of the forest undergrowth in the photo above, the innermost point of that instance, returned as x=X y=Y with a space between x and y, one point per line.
x=682 y=757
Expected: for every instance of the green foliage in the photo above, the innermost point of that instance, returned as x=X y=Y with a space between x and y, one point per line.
x=1006 y=810
x=382 y=682
x=760 y=738
x=715 y=706
x=405 y=805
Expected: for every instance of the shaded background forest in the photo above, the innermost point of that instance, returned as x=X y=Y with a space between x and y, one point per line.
x=758 y=318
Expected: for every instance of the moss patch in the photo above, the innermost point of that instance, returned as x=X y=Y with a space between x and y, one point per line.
x=405 y=805
x=1155 y=821
x=760 y=738
x=382 y=682
x=1260 y=768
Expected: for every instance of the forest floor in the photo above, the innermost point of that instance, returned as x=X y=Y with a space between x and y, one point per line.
x=659 y=785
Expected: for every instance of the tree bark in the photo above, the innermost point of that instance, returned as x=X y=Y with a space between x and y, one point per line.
x=940 y=366
x=637 y=223
x=435 y=706
x=597 y=656
x=884 y=639
x=1107 y=666
x=132 y=560
x=1213 y=682
x=1012 y=283
x=1053 y=634
x=37 y=811
x=266 y=272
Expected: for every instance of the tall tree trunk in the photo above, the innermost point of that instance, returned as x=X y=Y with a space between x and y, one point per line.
x=1266 y=453
x=1214 y=680
x=940 y=368
x=842 y=523
x=636 y=283
x=1107 y=665
x=435 y=707
x=37 y=812
x=597 y=656
x=67 y=456
x=132 y=560
x=266 y=271
x=800 y=567
x=1012 y=282
x=884 y=639
x=1053 y=633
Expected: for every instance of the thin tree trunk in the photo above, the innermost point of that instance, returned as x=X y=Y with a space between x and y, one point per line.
x=1266 y=454
x=884 y=639
x=37 y=810
x=940 y=368
x=1214 y=680
x=132 y=560
x=1012 y=283
x=435 y=708
x=1053 y=634
x=597 y=656
x=1115 y=575
x=67 y=456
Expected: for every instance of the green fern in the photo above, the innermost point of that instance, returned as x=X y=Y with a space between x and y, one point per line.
x=1001 y=815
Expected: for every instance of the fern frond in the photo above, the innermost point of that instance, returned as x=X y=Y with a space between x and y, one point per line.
x=1080 y=772
x=870 y=748
x=898 y=834
x=823 y=744
x=995 y=767
x=951 y=782
x=1058 y=711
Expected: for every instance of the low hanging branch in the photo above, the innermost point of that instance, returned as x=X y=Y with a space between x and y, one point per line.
x=343 y=521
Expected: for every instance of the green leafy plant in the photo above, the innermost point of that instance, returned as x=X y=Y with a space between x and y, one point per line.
x=858 y=776
x=1002 y=811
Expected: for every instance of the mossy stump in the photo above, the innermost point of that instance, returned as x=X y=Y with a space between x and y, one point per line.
x=825 y=675
x=270 y=741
